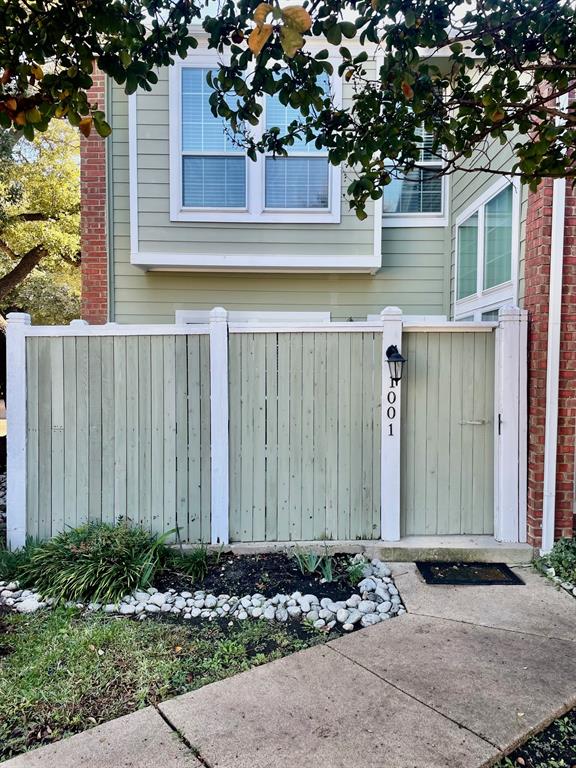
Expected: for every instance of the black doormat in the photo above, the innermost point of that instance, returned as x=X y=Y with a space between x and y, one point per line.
x=474 y=574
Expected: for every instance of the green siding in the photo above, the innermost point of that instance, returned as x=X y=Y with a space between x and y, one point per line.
x=447 y=484
x=415 y=262
x=305 y=442
x=104 y=438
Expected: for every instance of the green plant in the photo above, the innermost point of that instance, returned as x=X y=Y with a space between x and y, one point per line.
x=13 y=561
x=308 y=562
x=193 y=562
x=97 y=562
x=326 y=567
x=562 y=558
x=355 y=573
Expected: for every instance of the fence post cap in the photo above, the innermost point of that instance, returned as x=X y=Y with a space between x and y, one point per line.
x=218 y=314
x=509 y=312
x=19 y=318
x=391 y=312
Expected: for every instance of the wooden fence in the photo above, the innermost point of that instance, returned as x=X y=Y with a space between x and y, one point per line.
x=246 y=432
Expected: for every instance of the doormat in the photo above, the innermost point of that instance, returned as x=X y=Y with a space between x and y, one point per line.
x=473 y=574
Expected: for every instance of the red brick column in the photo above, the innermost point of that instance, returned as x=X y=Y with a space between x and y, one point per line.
x=94 y=267
x=565 y=475
x=537 y=285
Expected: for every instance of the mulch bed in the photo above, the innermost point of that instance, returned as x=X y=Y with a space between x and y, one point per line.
x=269 y=574
x=554 y=747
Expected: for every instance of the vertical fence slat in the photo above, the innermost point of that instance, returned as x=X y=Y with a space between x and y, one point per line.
x=357 y=445
x=32 y=390
x=308 y=427
x=44 y=441
x=56 y=374
x=377 y=440
x=132 y=432
x=108 y=425
x=332 y=498
x=181 y=438
x=120 y=437
x=205 y=439
x=95 y=430
x=70 y=447
x=157 y=377
x=284 y=405
x=344 y=397
x=259 y=438
x=443 y=432
x=431 y=438
x=295 y=436
x=169 y=436
x=271 y=477
x=144 y=434
x=368 y=401
x=319 y=436
x=247 y=438
x=82 y=438
x=194 y=441
x=235 y=447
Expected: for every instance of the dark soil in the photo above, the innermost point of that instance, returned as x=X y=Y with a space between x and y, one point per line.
x=268 y=574
x=554 y=747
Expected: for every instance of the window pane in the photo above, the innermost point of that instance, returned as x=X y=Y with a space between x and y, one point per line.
x=498 y=239
x=201 y=131
x=213 y=182
x=296 y=182
x=467 y=257
x=491 y=314
x=420 y=191
x=279 y=116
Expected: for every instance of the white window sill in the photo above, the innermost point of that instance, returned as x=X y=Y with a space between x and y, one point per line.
x=416 y=220
x=223 y=215
x=230 y=262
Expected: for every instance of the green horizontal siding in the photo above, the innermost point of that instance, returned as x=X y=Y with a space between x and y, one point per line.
x=415 y=261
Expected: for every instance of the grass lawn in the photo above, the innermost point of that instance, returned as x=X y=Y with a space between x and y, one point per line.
x=555 y=747
x=62 y=672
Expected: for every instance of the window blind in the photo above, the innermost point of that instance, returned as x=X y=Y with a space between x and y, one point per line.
x=213 y=167
x=419 y=191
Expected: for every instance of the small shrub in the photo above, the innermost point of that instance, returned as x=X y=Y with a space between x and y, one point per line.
x=193 y=562
x=563 y=559
x=355 y=572
x=97 y=562
x=12 y=562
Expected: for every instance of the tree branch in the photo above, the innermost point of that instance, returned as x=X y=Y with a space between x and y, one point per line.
x=26 y=264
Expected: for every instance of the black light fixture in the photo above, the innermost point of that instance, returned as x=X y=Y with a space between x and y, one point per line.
x=395 y=362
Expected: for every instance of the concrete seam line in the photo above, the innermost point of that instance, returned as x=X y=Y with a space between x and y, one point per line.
x=187 y=743
x=415 y=698
x=489 y=626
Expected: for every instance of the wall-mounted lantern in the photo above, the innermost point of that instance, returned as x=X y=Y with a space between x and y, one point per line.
x=395 y=362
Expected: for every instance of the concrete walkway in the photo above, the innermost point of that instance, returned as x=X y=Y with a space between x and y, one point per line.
x=467 y=673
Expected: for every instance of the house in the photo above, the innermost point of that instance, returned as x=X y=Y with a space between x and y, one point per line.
x=297 y=435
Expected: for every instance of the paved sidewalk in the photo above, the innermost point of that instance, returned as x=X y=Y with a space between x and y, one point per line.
x=466 y=673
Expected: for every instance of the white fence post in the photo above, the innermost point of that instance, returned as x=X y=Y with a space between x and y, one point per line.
x=219 y=425
x=16 y=433
x=391 y=318
x=510 y=405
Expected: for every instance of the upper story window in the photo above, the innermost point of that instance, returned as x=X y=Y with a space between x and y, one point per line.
x=487 y=253
x=211 y=179
x=417 y=198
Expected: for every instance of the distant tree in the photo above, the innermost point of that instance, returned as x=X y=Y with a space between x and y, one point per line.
x=40 y=224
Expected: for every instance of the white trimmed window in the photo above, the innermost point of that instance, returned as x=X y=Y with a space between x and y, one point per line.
x=417 y=198
x=487 y=253
x=211 y=179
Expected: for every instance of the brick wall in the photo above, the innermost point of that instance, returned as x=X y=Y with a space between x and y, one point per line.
x=94 y=267
x=537 y=276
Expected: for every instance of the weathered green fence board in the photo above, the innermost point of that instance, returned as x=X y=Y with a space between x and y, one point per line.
x=447 y=433
x=304 y=435
x=118 y=427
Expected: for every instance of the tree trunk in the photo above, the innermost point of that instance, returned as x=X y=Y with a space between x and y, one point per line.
x=26 y=264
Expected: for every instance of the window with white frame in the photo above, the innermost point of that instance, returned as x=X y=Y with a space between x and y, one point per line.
x=213 y=180
x=486 y=253
x=417 y=197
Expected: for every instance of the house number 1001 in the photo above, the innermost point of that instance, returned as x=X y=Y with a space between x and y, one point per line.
x=391 y=410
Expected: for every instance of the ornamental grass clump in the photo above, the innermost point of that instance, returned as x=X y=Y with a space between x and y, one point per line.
x=95 y=562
